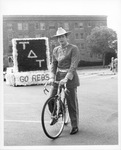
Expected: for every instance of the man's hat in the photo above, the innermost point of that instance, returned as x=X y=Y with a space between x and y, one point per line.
x=60 y=32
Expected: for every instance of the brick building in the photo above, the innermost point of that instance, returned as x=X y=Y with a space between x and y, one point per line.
x=45 y=26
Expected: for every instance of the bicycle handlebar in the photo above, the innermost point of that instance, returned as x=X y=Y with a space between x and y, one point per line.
x=57 y=82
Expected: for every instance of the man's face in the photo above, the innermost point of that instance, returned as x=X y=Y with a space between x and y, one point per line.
x=62 y=39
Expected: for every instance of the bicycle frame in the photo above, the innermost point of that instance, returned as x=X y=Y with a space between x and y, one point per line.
x=60 y=87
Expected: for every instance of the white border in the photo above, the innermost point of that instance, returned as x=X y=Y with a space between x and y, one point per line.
x=59 y=7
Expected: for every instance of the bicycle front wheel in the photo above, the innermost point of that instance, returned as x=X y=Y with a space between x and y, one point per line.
x=53 y=131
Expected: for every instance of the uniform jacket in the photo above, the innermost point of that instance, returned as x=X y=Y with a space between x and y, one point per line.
x=67 y=58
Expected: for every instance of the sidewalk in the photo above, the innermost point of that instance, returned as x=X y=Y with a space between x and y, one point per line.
x=94 y=70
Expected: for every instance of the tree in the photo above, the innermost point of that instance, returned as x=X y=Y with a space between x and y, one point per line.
x=99 y=41
x=114 y=45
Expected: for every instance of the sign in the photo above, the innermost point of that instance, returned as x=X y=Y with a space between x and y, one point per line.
x=33 y=78
x=26 y=78
x=31 y=54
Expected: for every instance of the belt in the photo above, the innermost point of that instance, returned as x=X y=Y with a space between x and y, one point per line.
x=62 y=70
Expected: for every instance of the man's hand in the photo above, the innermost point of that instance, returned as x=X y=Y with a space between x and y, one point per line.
x=63 y=81
x=51 y=81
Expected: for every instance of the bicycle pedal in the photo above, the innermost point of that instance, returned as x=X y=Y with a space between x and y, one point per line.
x=53 y=121
x=65 y=123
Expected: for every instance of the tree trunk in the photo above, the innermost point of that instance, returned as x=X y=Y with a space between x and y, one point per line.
x=103 y=59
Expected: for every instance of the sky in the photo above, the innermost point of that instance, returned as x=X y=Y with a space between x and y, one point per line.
x=110 y=8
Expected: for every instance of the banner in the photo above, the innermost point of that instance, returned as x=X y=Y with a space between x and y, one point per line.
x=30 y=54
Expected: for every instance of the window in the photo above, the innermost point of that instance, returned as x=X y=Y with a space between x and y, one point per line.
x=78 y=45
x=10 y=36
x=9 y=26
x=80 y=25
x=60 y=24
x=77 y=36
x=89 y=24
x=38 y=35
x=76 y=25
x=43 y=35
x=91 y=55
x=20 y=36
x=26 y=36
x=82 y=45
x=10 y=48
x=82 y=35
x=25 y=26
x=37 y=26
x=52 y=32
x=19 y=26
x=66 y=26
x=42 y=26
x=51 y=25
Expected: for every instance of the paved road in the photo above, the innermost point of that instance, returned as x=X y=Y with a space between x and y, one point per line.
x=98 y=104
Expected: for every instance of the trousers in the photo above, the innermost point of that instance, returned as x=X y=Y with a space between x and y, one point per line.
x=72 y=103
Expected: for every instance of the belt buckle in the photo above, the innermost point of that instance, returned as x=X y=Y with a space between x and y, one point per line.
x=62 y=70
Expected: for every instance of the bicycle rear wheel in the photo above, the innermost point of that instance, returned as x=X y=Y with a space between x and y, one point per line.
x=66 y=112
x=53 y=131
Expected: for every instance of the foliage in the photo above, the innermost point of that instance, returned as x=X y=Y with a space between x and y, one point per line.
x=99 y=41
x=113 y=45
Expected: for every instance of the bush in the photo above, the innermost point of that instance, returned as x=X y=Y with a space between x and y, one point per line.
x=88 y=63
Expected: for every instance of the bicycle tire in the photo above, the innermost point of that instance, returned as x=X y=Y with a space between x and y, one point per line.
x=52 y=131
x=66 y=112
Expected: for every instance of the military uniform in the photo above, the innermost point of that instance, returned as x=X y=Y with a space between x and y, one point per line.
x=64 y=63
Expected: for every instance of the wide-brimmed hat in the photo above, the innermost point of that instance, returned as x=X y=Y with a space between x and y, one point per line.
x=60 y=32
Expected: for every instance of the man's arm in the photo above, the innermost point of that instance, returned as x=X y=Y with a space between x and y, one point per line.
x=74 y=62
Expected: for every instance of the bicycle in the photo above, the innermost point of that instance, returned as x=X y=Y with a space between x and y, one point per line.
x=59 y=113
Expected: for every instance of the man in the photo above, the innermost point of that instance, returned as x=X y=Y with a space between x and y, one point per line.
x=112 y=64
x=65 y=60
